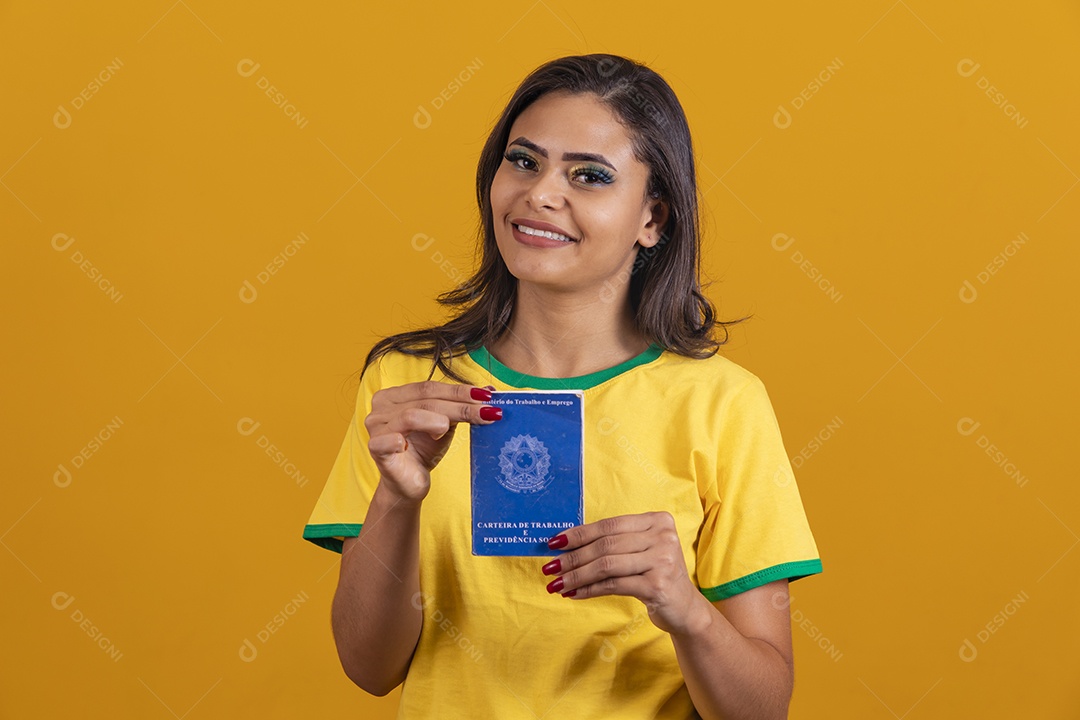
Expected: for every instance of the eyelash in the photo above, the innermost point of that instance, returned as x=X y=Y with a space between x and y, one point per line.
x=604 y=176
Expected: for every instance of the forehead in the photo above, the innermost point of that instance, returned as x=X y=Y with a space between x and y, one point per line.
x=560 y=122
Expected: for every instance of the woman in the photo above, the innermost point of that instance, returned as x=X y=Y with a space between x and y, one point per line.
x=671 y=599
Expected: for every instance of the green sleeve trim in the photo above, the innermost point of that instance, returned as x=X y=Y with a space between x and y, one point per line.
x=790 y=570
x=328 y=536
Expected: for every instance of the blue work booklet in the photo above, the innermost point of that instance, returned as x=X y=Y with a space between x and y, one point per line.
x=527 y=472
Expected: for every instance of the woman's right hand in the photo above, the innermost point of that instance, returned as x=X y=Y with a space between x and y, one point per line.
x=411 y=427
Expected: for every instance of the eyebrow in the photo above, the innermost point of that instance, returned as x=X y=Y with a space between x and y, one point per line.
x=590 y=157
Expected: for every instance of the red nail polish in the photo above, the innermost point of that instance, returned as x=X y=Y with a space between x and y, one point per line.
x=490 y=413
x=570 y=593
x=480 y=394
x=557 y=542
x=553 y=567
x=555 y=585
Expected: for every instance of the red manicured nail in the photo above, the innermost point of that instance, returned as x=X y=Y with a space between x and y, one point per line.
x=557 y=542
x=480 y=394
x=570 y=593
x=490 y=413
x=555 y=585
x=490 y=387
x=553 y=567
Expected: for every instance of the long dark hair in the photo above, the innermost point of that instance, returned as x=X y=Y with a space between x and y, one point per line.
x=669 y=307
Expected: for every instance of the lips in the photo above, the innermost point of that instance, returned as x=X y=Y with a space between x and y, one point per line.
x=543 y=226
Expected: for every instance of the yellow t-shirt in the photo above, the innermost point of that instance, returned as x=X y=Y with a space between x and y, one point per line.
x=697 y=438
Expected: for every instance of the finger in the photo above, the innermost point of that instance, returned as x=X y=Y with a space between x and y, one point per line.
x=604 y=568
x=430 y=389
x=387 y=445
x=620 y=544
x=440 y=416
x=411 y=420
x=580 y=535
x=631 y=586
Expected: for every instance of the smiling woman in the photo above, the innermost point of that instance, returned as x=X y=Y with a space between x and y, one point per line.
x=604 y=134
x=671 y=600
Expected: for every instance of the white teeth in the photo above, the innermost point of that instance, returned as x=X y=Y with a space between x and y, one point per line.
x=543 y=233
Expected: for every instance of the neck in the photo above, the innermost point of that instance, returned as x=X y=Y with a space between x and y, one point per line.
x=563 y=334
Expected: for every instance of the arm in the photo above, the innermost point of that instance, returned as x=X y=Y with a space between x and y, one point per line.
x=373 y=606
x=375 y=616
x=736 y=654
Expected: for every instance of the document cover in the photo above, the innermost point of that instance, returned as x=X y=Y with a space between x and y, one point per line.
x=527 y=472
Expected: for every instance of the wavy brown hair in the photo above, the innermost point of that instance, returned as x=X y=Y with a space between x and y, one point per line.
x=665 y=294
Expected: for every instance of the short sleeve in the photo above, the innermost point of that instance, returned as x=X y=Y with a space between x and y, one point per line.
x=754 y=529
x=344 y=501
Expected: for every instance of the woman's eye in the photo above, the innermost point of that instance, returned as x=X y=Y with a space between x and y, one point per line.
x=518 y=157
x=598 y=176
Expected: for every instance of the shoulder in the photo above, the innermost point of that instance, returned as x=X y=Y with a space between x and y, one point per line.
x=715 y=374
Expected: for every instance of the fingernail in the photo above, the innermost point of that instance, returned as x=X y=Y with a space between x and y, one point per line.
x=490 y=387
x=553 y=567
x=570 y=593
x=555 y=585
x=490 y=413
x=480 y=394
x=557 y=542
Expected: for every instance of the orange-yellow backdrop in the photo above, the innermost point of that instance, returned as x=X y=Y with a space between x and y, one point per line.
x=195 y=269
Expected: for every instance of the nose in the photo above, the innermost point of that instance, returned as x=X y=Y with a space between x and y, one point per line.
x=546 y=190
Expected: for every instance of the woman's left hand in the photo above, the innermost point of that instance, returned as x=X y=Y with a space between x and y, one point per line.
x=635 y=555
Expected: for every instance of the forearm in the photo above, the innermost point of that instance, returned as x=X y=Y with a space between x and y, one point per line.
x=375 y=621
x=729 y=676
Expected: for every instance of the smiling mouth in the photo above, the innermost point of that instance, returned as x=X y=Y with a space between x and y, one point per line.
x=543 y=233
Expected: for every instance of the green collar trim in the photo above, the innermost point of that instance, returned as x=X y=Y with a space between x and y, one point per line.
x=513 y=378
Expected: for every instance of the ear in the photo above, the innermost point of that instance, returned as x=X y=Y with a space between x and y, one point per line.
x=656 y=215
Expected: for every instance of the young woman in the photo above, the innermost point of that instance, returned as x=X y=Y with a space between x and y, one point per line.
x=671 y=600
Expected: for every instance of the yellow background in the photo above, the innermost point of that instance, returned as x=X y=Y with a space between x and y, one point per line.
x=179 y=180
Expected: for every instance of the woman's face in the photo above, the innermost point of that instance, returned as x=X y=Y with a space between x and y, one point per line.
x=569 y=163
